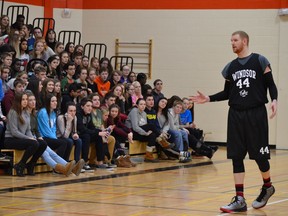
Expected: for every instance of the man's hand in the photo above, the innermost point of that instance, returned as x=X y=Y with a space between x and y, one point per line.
x=273 y=107
x=200 y=98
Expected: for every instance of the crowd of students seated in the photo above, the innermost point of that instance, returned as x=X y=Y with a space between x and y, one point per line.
x=53 y=97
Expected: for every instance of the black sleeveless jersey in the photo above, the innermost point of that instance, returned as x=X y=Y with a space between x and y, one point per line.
x=247 y=86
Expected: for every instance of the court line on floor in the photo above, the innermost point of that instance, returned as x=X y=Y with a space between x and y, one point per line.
x=95 y=178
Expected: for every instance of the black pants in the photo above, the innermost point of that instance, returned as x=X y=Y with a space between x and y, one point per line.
x=2 y=136
x=32 y=148
x=99 y=146
x=62 y=147
x=151 y=139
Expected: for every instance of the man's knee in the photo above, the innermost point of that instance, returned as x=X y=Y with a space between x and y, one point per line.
x=263 y=165
x=238 y=166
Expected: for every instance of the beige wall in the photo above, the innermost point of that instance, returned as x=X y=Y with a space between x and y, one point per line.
x=190 y=49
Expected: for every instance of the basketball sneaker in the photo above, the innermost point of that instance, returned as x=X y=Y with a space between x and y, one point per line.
x=263 y=197
x=237 y=204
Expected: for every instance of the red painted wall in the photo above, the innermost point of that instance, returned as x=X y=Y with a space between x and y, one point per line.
x=160 y=4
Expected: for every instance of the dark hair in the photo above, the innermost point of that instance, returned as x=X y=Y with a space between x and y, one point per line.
x=52 y=58
x=141 y=76
x=21 y=41
x=103 y=69
x=165 y=110
x=93 y=95
x=6 y=49
x=129 y=75
x=66 y=66
x=16 y=106
x=20 y=16
x=145 y=89
x=118 y=116
x=74 y=87
x=76 y=47
x=48 y=31
x=138 y=101
x=18 y=81
x=172 y=99
x=47 y=102
x=109 y=66
x=109 y=95
x=75 y=54
x=67 y=47
x=70 y=103
x=84 y=101
x=38 y=28
x=33 y=87
x=157 y=80
x=148 y=95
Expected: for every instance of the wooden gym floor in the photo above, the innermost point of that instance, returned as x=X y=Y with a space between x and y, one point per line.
x=166 y=188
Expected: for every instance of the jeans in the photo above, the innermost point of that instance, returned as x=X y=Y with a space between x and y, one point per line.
x=178 y=137
x=78 y=147
x=51 y=158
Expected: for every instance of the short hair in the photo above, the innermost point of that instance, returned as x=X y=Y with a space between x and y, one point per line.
x=39 y=69
x=66 y=66
x=74 y=87
x=178 y=102
x=103 y=69
x=141 y=76
x=20 y=16
x=3 y=67
x=93 y=95
x=75 y=54
x=109 y=95
x=157 y=80
x=242 y=35
x=148 y=95
x=18 y=81
x=37 y=28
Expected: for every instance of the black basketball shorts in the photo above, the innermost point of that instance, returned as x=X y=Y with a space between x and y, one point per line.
x=248 y=132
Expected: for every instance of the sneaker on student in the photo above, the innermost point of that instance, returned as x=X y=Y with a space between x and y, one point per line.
x=263 y=197
x=87 y=168
x=184 y=159
x=237 y=204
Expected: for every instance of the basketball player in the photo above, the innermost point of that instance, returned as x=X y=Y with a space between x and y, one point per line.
x=247 y=79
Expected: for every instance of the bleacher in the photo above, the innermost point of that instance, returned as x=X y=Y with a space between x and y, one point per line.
x=91 y=49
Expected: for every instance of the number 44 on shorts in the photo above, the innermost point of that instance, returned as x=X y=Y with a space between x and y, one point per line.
x=264 y=150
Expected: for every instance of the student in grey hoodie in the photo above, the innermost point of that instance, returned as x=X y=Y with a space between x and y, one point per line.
x=142 y=131
x=19 y=136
